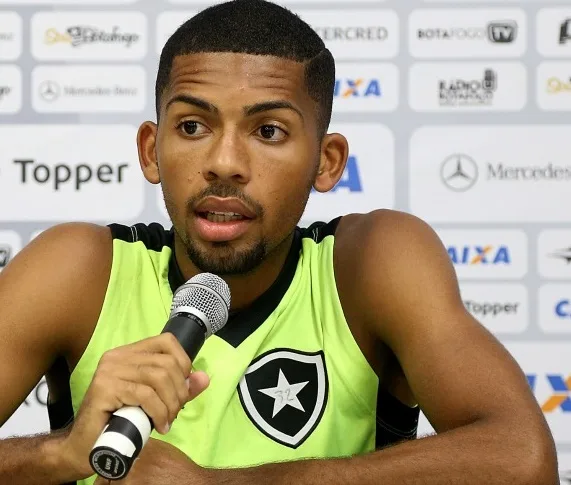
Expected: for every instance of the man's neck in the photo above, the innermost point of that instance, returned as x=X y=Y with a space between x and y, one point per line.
x=244 y=288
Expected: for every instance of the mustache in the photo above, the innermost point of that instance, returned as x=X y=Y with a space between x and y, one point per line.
x=225 y=191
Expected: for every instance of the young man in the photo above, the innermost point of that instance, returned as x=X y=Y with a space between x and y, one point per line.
x=338 y=334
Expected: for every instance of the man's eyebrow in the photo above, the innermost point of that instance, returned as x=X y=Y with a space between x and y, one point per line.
x=270 y=105
x=248 y=110
x=194 y=101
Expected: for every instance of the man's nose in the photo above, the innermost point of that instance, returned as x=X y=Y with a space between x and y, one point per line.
x=228 y=160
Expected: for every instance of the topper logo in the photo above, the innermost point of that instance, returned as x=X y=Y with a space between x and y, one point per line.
x=61 y=174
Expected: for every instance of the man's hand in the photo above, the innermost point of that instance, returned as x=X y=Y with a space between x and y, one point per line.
x=154 y=374
x=162 y=463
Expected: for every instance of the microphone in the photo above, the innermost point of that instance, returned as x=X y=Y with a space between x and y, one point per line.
x=199 y=309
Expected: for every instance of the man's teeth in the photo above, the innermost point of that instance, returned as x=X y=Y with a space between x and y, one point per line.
x=223 y=216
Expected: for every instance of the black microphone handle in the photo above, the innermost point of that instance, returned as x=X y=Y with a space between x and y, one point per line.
x=129 y=428
x=191 y=337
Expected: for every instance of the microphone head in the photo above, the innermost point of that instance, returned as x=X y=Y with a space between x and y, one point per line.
x=208 y=294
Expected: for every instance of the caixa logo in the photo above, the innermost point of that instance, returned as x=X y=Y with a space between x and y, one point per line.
x=480 y=255
x=560 y=394
x=351 y=178
x=357 y=88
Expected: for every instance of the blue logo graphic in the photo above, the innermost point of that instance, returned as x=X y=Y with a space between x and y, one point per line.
x=563 y=309
x=560 y=398
x=480 y=255
x=357 y=88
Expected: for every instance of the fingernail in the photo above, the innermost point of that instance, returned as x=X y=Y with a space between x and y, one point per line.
x=188 y=382
x=167 y=428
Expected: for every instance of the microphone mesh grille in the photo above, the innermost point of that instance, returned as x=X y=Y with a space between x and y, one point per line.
x=209 y=294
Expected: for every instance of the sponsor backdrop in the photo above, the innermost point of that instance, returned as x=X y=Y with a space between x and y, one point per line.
x=456 y=111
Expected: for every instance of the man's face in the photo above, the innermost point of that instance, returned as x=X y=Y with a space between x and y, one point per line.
x=237 y=151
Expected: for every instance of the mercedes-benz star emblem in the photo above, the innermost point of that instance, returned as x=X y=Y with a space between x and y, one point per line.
x=49 y=91
x=459 y=172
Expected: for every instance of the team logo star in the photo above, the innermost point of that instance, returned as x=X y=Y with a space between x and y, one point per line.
x=295 y=408
x=284 y=394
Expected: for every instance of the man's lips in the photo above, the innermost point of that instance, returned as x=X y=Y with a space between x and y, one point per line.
x=217 y=228
x=224 y=206
x=222 y=219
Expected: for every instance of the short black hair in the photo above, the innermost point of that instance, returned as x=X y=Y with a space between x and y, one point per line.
x=255 y=27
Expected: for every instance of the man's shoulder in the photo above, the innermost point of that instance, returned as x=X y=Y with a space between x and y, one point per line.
x=70 y=238
x=384 y=228
x=72 y=254
x=65 y=271
x=387 y=250
x=388 y=262
x=354 y=226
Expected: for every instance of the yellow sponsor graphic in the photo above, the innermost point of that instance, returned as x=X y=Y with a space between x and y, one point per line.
x=53 y=36
x=556 y=85
x=82 y=34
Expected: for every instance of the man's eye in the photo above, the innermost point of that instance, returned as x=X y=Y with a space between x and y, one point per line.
x=270 y=132
x=191 y=127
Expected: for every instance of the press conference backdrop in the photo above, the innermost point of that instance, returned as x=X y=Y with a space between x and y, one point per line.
x=456 y=111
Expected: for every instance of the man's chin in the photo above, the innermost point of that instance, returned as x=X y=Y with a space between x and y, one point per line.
x=222 y=245
x=223 y=259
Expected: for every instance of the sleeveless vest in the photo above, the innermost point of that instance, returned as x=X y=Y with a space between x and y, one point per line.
x=287 y=379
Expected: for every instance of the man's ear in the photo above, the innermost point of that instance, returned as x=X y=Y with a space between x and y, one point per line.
x=334 y=154
x=146 y=145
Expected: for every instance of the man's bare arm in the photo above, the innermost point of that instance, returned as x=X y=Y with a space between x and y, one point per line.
x=491 y=430
x=51 y=296
x=46 y=293
x=458 y=457
x=35 y=460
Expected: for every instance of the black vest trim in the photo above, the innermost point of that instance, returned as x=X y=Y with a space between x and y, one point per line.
x=396 y=421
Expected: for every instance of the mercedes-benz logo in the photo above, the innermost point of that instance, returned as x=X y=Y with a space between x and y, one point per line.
x=459 y=172
x=49 y=91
